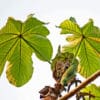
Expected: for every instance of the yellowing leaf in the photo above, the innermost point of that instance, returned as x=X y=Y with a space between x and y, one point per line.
x=85 y=43
x=20 y=69
x=93 y=91
x=71 y=27
x=18 y=40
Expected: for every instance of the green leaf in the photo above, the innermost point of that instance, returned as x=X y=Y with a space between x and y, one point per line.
x=40 y=45
x=20 y=69
x=18 y=40
x=6 y=44
x=89 y=59
x=34 y=26
x=69 y=26
x=92 y=90
x=88 y=28
x=12 y=26
x=85 y=43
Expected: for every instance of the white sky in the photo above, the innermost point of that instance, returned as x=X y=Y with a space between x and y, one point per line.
x=53 y=11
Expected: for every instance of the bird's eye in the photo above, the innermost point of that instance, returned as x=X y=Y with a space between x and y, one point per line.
x=66 y=67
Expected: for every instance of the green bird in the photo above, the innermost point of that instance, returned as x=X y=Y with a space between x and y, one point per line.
x=70 y=73
x=60 y=64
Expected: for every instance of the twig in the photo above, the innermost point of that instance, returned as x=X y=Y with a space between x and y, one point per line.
x=82 y=85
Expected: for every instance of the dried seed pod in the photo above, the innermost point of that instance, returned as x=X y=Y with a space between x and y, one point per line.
x=49 y=98
x=60 y=64
x=43 y=92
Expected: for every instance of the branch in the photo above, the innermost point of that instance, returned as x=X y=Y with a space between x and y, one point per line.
x=82 y=85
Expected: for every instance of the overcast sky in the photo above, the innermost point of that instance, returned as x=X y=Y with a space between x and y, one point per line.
x=53 y=11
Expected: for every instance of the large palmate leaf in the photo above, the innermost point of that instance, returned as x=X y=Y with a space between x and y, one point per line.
x=92 y=92
x=84 y=42
x=18 y=40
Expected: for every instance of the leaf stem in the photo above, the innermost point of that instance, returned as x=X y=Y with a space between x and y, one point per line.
x=78 y=48
x=82 y=85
